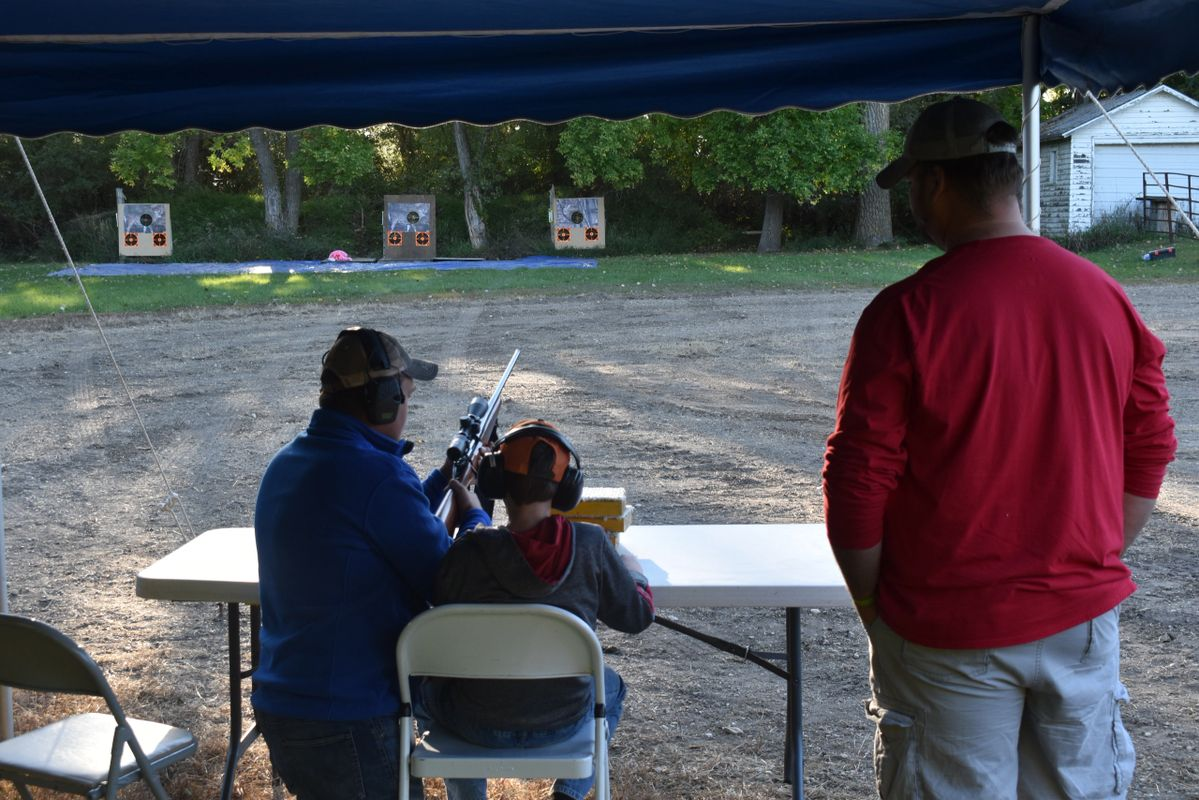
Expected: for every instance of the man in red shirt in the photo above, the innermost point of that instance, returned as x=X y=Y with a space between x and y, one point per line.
x=1002 y=431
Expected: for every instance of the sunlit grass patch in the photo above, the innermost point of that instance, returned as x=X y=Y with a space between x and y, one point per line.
x=28 y=290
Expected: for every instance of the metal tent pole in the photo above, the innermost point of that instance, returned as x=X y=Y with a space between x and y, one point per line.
x=5 y=692
x=1030 y=52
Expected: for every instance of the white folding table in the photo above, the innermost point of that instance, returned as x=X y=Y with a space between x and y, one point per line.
x=218 y=566
x=688 y=566
x=725 y=566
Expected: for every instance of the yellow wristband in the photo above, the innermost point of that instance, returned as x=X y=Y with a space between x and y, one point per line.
x=864 y=602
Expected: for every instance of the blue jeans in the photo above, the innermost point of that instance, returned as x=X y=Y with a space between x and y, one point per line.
x=333 y=759
x=575 y=788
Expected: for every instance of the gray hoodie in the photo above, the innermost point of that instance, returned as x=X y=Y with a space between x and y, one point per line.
x=487 y=565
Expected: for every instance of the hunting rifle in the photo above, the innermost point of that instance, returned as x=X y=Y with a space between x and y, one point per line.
x=476 y=428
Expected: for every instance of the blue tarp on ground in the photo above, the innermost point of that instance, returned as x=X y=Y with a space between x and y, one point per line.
x=288 y=267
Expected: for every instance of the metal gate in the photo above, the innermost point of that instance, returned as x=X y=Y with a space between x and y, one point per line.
x=1157 y=213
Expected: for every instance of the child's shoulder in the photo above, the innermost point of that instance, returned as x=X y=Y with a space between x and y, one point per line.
x=478 y=536
x=589 y=532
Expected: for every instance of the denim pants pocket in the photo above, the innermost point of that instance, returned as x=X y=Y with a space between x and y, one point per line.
x=895 y=752
x=321 y=766
x=334 y=759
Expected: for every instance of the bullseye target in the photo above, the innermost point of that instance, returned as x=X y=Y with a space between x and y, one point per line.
x=144 y=229
x=578 y=222
x=409 y=227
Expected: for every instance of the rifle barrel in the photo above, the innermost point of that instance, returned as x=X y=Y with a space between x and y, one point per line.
x=493 y=405
x=463 y=456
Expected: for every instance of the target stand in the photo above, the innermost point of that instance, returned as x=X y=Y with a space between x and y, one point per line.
x=579 y=223
x=409 y=227
x=144 y=229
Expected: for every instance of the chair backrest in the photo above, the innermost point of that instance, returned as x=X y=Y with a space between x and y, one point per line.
x=498 y=640
x=35 y=656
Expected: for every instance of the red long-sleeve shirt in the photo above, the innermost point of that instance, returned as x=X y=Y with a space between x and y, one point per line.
x=994 y=408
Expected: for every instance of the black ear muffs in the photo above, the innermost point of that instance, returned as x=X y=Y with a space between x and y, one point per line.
x=570 y=490
x=383 y=399
x=490 y=475
x=382 y=396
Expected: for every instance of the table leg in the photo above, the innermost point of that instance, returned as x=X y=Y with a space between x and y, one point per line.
x=237 y=743
x=793 y=754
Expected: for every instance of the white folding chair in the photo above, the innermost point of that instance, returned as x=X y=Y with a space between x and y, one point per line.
x=87 y=754
x=505 y=641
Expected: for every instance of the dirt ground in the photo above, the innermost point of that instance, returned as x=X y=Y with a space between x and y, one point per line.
x=706 y=408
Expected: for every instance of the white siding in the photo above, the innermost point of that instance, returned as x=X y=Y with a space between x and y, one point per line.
x=1055 y=187
x=1081 y=176
x=1099 y=177
x=1118 y=174
x=1162 y=127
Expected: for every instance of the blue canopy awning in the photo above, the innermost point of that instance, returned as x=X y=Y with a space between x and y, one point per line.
x=98 y=66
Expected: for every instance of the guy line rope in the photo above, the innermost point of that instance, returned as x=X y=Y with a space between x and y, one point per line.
x=1169 y=197
x=172 y=502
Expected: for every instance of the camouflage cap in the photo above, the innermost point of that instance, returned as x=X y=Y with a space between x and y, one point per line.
x=361 y=355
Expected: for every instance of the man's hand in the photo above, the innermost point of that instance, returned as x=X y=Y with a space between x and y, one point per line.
x=1136 y=514
x=464 y=498
x=867 y=613
x=861 y=569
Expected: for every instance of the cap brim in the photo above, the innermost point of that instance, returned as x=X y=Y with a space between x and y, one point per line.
x=421 y=370
x=894 y=172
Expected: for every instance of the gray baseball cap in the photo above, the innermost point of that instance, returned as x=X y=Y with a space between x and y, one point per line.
x=945 y=131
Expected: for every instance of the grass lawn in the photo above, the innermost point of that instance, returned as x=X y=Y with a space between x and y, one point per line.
x=26 y=290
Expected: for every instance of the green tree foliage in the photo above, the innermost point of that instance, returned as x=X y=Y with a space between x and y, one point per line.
x=143 y=159
x=73 y=173
x=417 y=160
x=598 y=150
x=334 y=157
x=518 y=157
x=229 y=153
x=1187 y=84
x=803 y=154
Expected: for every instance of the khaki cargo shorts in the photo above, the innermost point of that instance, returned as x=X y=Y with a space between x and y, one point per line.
x=1038 y=720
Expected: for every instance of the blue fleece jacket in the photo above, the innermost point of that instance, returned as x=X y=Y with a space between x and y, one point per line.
x=347 y=551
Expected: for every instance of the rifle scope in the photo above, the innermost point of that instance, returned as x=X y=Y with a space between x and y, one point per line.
x=470 y=427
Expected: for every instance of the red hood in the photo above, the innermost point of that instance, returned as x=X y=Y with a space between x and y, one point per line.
x=547 y=547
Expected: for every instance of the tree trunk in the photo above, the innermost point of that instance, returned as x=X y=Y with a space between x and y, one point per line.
x=191 y=158
x=272 y=198
x=470 y=191
x=873 y=226
x=293 y=184
x=771 y=240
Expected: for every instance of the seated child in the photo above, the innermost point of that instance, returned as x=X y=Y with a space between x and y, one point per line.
x=539 y=557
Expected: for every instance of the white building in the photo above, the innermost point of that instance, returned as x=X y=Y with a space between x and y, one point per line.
x=1088 y=172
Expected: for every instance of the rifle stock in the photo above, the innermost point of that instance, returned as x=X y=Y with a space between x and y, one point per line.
x=476 y=428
